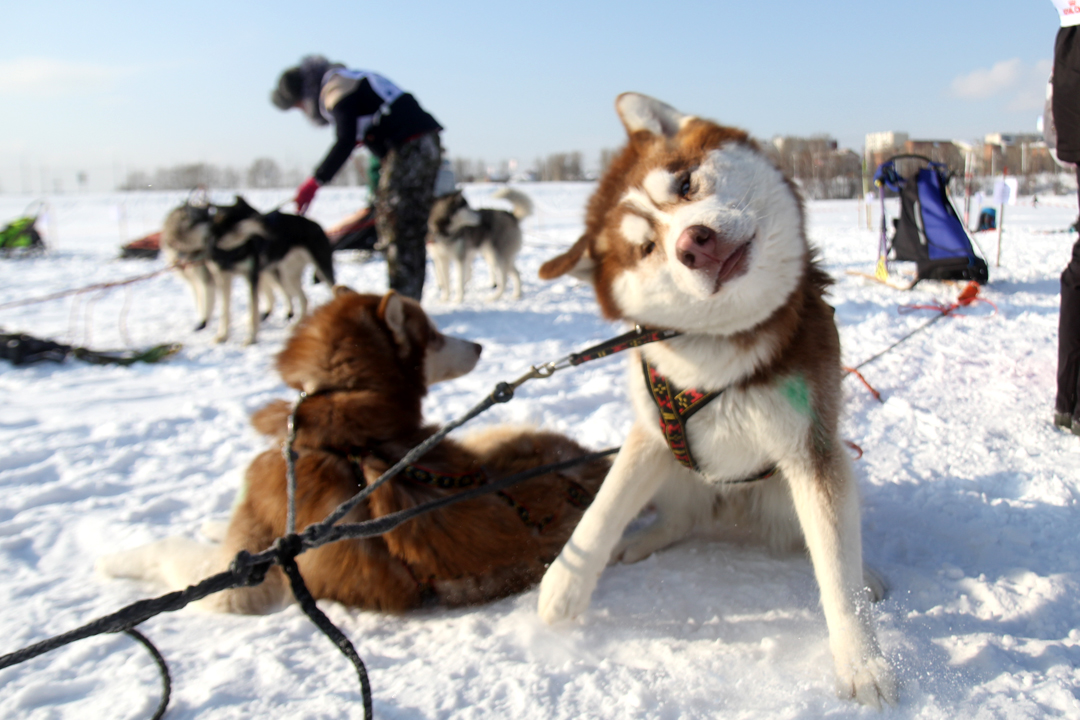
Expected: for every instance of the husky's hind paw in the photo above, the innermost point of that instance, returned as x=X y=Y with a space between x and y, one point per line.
x=868 y=683
x=875 y=585
x=565 y=591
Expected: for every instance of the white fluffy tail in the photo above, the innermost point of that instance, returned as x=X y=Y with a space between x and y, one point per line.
x=523 y=206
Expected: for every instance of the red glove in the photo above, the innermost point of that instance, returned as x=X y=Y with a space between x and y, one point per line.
x=305 y=194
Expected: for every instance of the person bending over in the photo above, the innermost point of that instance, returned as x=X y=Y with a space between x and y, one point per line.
x=367 y=109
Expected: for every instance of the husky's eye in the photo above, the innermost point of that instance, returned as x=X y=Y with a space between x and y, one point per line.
x=684 y=186
x=647 y=248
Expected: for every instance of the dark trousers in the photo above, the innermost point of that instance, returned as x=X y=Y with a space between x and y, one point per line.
x=402 y=205
x=1068 y=376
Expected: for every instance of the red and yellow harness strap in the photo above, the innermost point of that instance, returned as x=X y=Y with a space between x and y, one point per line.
x=676 y=407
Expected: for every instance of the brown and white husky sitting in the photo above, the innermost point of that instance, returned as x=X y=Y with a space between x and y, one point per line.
x=694 y=229
x=366 y=362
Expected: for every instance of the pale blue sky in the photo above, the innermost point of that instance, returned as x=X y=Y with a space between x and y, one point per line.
x=109 y=87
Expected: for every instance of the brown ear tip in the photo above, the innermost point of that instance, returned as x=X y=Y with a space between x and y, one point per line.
x=340 y=290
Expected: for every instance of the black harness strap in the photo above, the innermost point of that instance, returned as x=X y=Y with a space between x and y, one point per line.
x=576 y=494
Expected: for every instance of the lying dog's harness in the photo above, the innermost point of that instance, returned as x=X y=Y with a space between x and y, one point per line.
x=676 y=407
x=576 y=494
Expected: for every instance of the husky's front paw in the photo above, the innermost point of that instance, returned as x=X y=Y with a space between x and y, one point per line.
x=565 y=591
x=868 y=682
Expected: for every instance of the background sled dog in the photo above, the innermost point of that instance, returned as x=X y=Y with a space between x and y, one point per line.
x=693 y=229
x=271 y=251
x=366 y=362
x=456 y=232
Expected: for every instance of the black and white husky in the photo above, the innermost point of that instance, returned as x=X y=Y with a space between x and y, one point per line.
x=212 y=243
x=457 y=232
x=694 y=229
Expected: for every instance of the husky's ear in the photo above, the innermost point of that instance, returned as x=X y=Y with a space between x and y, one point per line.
x=392 y=312
x=641 y=112
x=577 y=261
x=341 y=290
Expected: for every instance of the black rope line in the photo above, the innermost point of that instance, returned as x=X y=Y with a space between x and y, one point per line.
x=289 y=547
x=247 y=569
x=166 y=680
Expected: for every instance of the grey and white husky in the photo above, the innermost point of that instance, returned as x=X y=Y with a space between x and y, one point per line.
x=457 y=232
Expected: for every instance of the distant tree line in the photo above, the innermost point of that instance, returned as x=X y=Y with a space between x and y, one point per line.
x=557 y=167
x=262 y=173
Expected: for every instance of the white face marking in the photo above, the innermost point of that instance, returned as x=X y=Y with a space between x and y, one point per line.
x=636 y=229
x=635 y=199
x=744 y=199
x=659 y=185
x=448 y=357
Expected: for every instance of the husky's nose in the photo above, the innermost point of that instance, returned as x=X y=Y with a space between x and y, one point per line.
x=477 y=348
x=696 y=247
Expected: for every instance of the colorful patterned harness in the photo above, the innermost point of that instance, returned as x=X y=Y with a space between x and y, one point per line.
x=676 y=408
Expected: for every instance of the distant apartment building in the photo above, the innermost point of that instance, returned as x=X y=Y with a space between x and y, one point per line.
x=821 y=168
x=1021 y=153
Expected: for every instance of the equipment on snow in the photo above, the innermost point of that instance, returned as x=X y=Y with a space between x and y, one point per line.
x=928 y=231
x=145 y=248
x=21 y=237
x=356 y=232
x=22 y=349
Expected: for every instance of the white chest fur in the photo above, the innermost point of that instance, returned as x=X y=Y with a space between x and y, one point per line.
x=740 y=433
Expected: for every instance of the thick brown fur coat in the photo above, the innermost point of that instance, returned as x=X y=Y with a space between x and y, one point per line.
x=366 y=361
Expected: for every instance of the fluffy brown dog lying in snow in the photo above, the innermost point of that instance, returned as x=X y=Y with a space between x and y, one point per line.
x=366 y=362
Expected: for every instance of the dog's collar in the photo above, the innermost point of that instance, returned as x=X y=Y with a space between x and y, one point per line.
x=676 y=407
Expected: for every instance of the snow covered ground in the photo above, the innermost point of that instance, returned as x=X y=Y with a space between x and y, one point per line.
x=970 y=500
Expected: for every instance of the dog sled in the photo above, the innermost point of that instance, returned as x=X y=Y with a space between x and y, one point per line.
x=20 y=237
x=928 y=232
x=145 y=248
x=356 y=232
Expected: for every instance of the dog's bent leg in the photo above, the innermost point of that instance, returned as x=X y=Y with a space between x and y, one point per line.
x=516 y=277
x=174 y=562
x=634 y=477
x=496 y=269
x=679 y=502
x=827 y=504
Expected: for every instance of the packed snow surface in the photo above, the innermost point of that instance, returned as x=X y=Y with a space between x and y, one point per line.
x=969 y=493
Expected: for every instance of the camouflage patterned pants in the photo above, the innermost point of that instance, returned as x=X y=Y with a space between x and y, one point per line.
x=402 y=205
